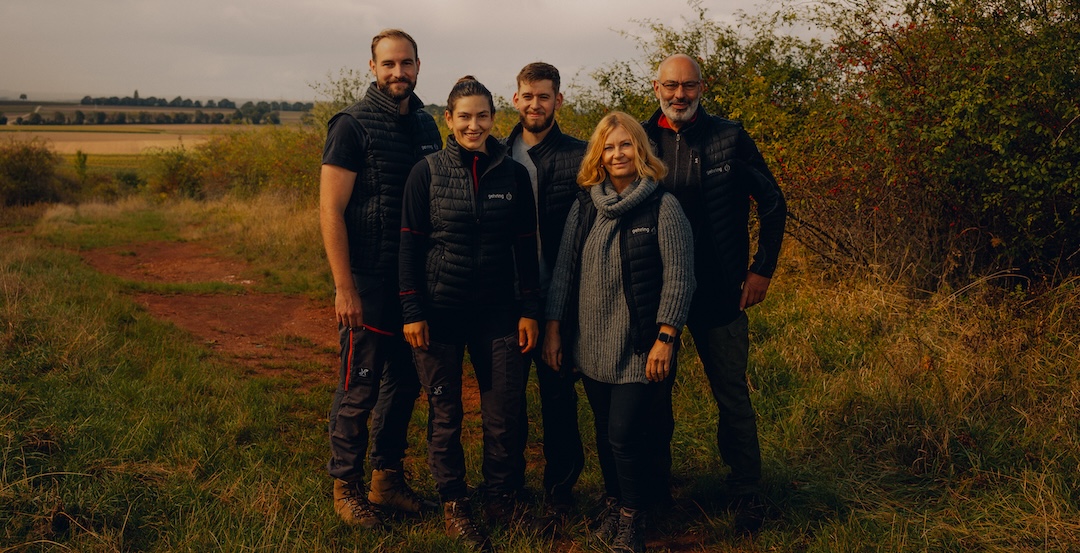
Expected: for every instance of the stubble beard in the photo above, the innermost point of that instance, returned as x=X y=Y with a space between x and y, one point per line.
x=540 y=127
x=680 y=116
x=385 y=88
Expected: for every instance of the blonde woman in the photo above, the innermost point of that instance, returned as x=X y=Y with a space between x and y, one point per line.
x=619 y=296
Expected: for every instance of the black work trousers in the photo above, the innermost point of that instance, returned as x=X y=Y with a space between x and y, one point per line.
x=491 y=337
x=377 y=385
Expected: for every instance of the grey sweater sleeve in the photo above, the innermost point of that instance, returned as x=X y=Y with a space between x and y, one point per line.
x=677 y=253
x=561 y=277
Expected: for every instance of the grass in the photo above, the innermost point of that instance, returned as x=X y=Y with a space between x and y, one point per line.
x=888 y=423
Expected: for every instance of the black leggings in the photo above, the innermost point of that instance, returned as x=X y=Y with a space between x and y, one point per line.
x=620 y=413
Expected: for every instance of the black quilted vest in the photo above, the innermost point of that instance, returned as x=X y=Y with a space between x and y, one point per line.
x=394 y=143
x=642 y=266
x=470 y=260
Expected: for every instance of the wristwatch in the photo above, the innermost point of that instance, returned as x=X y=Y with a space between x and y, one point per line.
x=666 y=338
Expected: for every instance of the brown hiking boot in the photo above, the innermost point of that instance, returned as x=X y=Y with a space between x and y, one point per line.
x=390 y=490
x=460 y=526
x=352 y=505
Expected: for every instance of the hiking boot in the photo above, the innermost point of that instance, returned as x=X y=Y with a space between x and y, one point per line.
x=351 y=504
x=390 y=490
x=460 y=526
x=750 y=511
x=606 y=525
x=631 y=535
x=504 y=509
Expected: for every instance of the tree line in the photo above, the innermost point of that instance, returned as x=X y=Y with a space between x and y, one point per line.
x=181 y=102
x=256 y=113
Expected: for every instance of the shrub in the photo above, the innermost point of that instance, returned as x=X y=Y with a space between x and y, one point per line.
x=28 y=174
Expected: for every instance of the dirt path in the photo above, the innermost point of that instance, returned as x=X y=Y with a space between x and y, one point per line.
x=267 y=334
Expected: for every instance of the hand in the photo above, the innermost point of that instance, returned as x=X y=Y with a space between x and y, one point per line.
x=658 y=364
x=753 y=290
x=349 y=311
x=528 y=333
x=552 y=354
x=416 y=334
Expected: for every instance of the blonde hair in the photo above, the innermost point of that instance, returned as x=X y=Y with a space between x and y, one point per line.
x=646 y=163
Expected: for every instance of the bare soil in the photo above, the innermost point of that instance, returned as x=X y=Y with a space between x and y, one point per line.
x=265 y=334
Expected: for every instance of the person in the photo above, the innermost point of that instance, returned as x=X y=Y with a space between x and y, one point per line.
x=552 y=159
x=715 y=169
x=620 y=294
x=468 y=278
x=370 y=148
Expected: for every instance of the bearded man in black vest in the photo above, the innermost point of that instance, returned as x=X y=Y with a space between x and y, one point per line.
x=370 y=148
x=714 y=170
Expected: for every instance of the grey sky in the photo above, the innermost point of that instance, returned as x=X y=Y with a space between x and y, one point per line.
x=275 y=49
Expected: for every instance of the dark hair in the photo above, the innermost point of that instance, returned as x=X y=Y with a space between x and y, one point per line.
x=539 y=71
x=393 y=33
x=468 y=86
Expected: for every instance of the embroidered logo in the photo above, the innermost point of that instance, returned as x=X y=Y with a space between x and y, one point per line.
x=501 y=196
x=715 y=170
x=642 y=230
x=428 y=148
x=436 y=390
x=363 y=372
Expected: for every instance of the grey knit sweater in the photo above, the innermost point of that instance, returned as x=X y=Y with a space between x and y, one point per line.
x=604 y=352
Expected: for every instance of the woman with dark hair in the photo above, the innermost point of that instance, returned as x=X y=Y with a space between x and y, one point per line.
x=619 y=296
x=469 y=278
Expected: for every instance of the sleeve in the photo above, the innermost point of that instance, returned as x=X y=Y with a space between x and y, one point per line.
x=345 y=143
x=525 y=253
x=771 y=206
x=561 y=276
x=677 y=254
x=412 y=252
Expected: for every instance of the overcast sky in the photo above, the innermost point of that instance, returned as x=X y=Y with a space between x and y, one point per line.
x=276 y=49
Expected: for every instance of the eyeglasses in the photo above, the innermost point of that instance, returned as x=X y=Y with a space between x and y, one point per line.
x=688 y=86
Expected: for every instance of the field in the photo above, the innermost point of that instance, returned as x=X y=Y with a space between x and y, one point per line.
x=130 y=138
x=164 y=385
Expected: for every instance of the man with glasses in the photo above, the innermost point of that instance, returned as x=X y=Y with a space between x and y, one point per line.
x=714 y=170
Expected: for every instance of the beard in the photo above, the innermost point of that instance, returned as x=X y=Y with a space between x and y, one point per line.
x=677 y=116
x=397 y=97
x=540 y=127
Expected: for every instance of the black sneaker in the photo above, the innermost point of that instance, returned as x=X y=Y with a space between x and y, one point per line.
x=606 y=524
x=631 y=535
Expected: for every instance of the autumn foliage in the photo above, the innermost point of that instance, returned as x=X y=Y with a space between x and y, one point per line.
x=928 y=141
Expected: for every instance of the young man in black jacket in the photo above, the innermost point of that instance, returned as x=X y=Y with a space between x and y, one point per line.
x=552 y=159
x=370 y=148
x=714 y=170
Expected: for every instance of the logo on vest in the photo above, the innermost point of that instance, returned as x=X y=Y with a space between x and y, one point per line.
x=428 y=148
x=500 y=196
x=363 y=372
x=436 y=390
x=642 y=230
x=715 y=170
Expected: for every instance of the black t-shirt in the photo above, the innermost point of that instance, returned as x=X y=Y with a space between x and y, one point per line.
x=346 y=143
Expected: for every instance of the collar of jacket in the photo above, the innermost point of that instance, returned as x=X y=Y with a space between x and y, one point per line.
x=700 y=116
x=495 y=150
x=548 y=144
x=384 y=102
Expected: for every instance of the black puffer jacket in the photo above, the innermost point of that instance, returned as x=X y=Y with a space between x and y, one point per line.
x=468 y=234
x=714 y=168
x=393 y=144
x=557 y=159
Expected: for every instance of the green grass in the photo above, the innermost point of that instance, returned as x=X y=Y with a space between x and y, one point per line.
x=887 y=423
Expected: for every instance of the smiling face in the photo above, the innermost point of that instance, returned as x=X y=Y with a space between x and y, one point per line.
x=678 y=88
x=395 y=67
x=536 y=103
x=471 y=122
x=618 y=158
